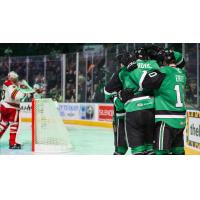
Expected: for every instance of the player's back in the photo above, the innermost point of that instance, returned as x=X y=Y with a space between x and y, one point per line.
x=134 y=82
x=136 y=76
x=169 y=98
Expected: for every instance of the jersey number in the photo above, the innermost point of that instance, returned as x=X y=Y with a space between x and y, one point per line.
x=178 y=96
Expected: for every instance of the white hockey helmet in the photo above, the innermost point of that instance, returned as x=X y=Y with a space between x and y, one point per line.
x=13 y=76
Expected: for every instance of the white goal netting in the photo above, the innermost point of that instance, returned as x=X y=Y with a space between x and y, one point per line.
x=49 y=132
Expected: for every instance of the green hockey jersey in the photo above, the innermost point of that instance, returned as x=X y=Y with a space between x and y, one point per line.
x=116 y=84
x=143 y=99
x=169 y=98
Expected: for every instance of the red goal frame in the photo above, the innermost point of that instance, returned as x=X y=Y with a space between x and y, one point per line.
x=33 y=125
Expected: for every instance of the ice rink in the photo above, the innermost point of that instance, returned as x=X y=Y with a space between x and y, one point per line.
x=85 y=140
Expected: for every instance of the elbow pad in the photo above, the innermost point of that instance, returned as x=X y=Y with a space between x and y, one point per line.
x=153 y=80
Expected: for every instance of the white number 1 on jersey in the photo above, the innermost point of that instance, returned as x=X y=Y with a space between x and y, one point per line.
x=178 y=96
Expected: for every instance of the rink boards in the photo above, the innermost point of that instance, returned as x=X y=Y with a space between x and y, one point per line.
x=100 y=115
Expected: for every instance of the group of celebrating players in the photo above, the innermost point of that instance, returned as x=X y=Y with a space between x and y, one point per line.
x=149 y=106
x=148 y=96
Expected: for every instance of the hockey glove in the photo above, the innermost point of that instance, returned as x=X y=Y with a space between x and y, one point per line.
x=132 y=66
x=125 y=95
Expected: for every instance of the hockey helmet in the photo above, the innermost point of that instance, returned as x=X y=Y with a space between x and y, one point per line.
x=13 y=76
x=140 y=53
x=152 y=51
x=125 y=58
x=169 y=57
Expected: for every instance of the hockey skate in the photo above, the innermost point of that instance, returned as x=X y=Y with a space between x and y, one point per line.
x=15 y=146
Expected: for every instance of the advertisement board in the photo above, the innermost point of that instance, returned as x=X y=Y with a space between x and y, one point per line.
x=69 y=111
x=76 y=111
x=87 y=111
x=105 y=112
x=25 y=110
x=193 y=130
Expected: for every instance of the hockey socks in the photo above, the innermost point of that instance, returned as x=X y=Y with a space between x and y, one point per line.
x=178 y=151
x=139 y=150
x=12 y=138
x=149 y=149
x=120 y=150
x=13 y=133
x=174 y=151
x=162 y=152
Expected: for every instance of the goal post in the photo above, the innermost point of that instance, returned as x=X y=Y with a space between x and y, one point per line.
x=49 y=133
x=33 y=125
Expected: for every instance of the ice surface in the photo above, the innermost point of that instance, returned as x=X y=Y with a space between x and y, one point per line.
x=85 y=141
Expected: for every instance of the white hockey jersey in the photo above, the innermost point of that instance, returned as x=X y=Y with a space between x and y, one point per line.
x=11 y=95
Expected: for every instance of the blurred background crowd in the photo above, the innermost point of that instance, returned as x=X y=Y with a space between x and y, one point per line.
x=78 y=72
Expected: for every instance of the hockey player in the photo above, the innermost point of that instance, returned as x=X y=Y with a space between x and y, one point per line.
x=10 y=107
x=140 y=107
x=179 y=59
x=157 y=53
x=111 y=90
x=168 y=84
x=153 y=52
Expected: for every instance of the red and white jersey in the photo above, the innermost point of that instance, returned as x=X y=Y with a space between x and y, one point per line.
x=11 y=95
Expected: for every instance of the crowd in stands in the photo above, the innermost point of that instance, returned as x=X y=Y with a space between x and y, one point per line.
x=93 y=73
x=4 y=69
x=34 y=72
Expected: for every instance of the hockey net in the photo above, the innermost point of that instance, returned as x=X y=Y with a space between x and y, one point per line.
x=49 y=133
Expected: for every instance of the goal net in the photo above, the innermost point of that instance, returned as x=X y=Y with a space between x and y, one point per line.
x=49 y=133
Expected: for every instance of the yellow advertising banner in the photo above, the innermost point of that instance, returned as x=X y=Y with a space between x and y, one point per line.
x=192 y=137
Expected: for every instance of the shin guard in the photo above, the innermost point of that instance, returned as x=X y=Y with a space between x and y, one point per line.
x=13 y=132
